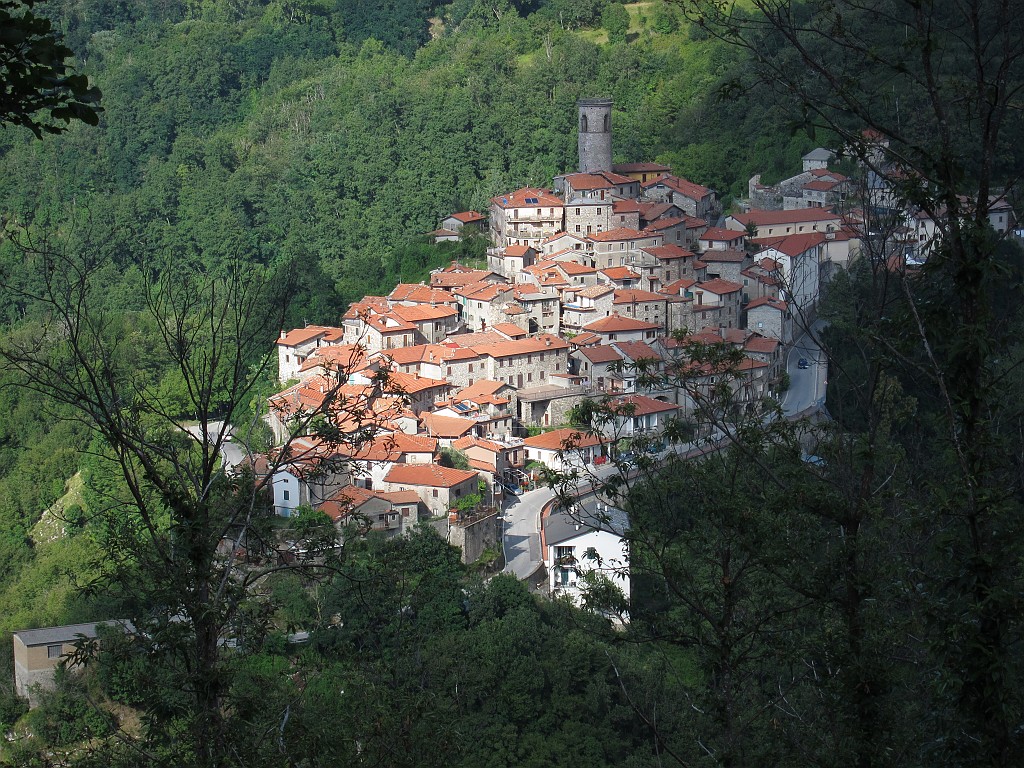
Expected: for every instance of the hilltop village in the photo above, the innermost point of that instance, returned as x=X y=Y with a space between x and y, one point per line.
x=589 y=288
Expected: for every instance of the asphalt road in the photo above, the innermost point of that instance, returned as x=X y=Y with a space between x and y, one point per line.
x=806 y=386
x=230 y=452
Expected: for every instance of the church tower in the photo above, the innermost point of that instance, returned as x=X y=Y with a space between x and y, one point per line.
x=595 y=138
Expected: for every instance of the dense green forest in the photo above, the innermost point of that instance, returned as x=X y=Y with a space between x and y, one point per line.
x=861 y=609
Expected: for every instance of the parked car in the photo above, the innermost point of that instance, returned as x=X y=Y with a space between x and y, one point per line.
x=803 y=363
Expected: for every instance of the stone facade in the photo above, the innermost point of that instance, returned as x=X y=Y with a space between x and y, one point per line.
x=595 y=135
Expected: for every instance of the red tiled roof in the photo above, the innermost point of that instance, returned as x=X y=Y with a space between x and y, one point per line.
x=637 y=350
x=430 y=475
x=719 y=286
x=619 y=273
x=517 y=250
x=720 y=233
x=518 y=199
x=794 y=245
x=298 y=336
x=600 y=353
x=419 y=294
x=614 y=323
x=560 y=438
x=668 y=252
x=585 y=339
x=682 y=186
x=683 y=284
x=634 y=296
x=767 y=301
x=467 y=217
x=761 y=344
x=459 y=279
x=419 y=313
x=726 y=256
x=617 y=234
x=446 y=426
x=541 y=343
x=762 y=218
x=511 y=330
x=411 y=384
x=641 y=405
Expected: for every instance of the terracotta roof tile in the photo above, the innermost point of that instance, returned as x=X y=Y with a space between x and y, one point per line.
x=559 y=439
x=429 y=475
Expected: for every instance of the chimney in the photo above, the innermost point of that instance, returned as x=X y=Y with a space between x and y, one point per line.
x=283 y=334
x=547 y=342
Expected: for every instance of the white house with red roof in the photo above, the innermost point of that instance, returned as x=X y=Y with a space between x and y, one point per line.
x=799 y=260
x=618 y=328
x=525 y=217
x=563 y=449
x=633 y=415
x=782 y=223
x=464 y=220
x=511 y=259
x=721 y=239
x=294 y=346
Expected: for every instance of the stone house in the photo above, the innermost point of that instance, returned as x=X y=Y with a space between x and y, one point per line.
x=492 y=456
x=526 y=361
x=376 y=330
x=722 y=295
x=561 y=242
x=641 y=171
x=673 y=263
x=541 y=314
x=672 y=231
x=770 y=317
x=392 y=513
x=585 y=216
x=625 y=213
x=637 y=304
x=439 y=488
x=596 y=365
x=596 y=185
x=727 y=265
x=525 y=217
x=448 y=428
x=457 y=365
x=38 y=652
x=612 y=248
x=693 y=199
x=767 y=351
x=619 y=277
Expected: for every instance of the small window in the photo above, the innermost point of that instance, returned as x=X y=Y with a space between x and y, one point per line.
x=287 y=495
x=435 y=493
x=54 y=651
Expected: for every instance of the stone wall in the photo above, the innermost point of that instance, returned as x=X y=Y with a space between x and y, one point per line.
x=474 y=534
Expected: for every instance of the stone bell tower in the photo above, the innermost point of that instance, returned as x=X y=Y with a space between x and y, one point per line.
x=595 y=137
